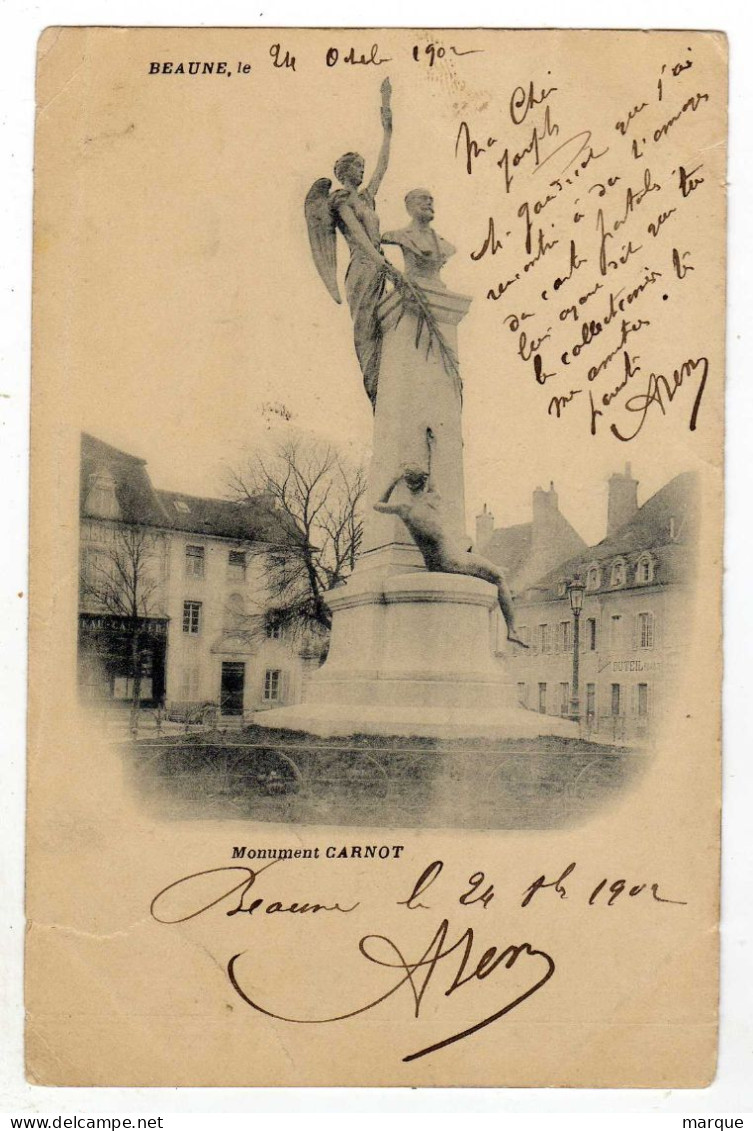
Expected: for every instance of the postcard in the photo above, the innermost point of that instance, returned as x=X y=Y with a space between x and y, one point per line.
x=377 y=508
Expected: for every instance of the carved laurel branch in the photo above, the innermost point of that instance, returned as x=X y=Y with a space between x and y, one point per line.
x=412 y=296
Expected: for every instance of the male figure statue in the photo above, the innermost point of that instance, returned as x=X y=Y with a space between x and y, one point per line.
x=425 y=252
x=442 y=554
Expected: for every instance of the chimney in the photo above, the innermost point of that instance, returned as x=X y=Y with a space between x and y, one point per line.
x=484 y=528
x=545 y=503
x=545 y=519
x=623 y=500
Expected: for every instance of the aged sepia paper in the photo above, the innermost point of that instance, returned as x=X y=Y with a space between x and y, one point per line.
x=376 y=557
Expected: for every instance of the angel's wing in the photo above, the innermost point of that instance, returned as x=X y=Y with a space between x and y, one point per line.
x=321 y=226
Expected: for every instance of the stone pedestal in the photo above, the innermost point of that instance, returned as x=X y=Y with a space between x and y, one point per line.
x=415 y=393
x=413 y=655
x=411 y=652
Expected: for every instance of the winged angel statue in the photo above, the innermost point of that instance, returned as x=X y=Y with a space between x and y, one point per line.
x=352 y=210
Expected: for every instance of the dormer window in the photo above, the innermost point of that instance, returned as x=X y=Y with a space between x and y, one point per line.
x=593 y=577
x=644 y=570
x=617 y=577
x=181 y=507
x=101 y=498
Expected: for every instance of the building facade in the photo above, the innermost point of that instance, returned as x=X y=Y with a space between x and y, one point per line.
x=634 y=621
x=174 y=595
x=528 y=550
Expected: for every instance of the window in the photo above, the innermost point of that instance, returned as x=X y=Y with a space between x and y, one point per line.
x=545 y=638
x=236 y=564
x=194 y=561
x=272 y=681
x=542 y=698
x=593 y=577
x=564 y=698
x=644 y=571
x=181 y=506
x=522 y=694
x=566 y=636
x=192 y=617
x=274 y=632
x=590 y=701
x=642 y=704
x=618 y=574
x=645 y=630
x=615 y=632
x=524 y=633
x=615 y=699
x=591 y=634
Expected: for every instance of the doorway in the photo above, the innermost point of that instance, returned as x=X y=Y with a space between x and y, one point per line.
x=231 y=688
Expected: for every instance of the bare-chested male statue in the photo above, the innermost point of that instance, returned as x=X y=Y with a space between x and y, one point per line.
x=441 y=553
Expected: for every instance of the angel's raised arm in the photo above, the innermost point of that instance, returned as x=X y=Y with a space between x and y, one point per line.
x=384 y=152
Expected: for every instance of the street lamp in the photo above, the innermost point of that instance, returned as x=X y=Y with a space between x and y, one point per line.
x=575 y=590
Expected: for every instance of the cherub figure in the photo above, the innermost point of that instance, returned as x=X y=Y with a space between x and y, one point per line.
x=352 y=210
x=441 y=553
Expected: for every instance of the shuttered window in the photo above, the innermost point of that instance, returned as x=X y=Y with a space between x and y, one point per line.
x=645 y=630
x=194 y=561
x=615 y=699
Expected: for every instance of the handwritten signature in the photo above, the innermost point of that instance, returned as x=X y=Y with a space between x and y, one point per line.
x=660 y=392
x=451 y=960
x=200 y=892
x=417 y=974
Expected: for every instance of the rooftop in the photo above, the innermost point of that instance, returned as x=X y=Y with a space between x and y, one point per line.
x=125 y=494
x=665 y=526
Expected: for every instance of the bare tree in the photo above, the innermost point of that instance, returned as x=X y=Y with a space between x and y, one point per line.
x=317 y=495
x=123 y=579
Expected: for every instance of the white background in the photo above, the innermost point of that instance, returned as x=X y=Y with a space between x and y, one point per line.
x=732 y=1092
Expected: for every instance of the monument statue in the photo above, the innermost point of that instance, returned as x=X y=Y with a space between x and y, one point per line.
x=353 y=212
x=413 y=641
x=421 y=513
x=425 y=252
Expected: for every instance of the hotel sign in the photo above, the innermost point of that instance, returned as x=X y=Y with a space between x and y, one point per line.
x=636 y=665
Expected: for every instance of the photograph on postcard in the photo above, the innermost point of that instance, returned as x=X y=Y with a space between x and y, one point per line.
x=377 y=491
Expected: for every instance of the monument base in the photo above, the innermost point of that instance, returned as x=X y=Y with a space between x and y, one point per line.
x=412 y=655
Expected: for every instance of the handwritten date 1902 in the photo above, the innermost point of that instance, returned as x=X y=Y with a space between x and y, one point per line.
x=599 y=894
x=434 y=51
